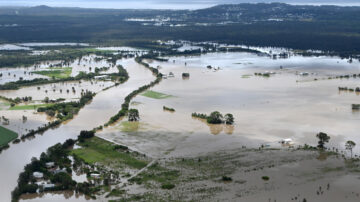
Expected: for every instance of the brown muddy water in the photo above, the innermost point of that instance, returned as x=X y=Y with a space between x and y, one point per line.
x=266 y=110
x=58 y=90
x=99 y=111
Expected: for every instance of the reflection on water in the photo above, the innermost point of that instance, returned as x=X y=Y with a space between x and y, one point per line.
x=229 y=129
x=216 y=129
x=266 y=110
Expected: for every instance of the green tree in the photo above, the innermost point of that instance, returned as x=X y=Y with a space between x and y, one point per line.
x=349 y=145
x=323 y=138
x=46 y=100
x=133 y=115
x=215 y=118
x=229 y=119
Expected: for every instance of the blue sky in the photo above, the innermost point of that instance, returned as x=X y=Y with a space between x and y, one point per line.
x=157 y=4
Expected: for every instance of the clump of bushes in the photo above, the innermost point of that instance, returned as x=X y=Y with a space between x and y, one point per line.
x=168 y=109
x=357 y=89
x=262 y=74
x=167 y=186
x=85 y=135
x=185 y=75
x=133 y=115
x=226 y=179
x=215 y=118
x=120 y=147
x=265 y=178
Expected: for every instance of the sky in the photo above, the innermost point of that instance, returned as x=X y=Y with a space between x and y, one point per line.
x=160 y=4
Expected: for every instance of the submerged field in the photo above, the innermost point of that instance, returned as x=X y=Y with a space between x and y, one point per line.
x=61 y=73
x=29 y=107
x=155 y=95
x=172 y=155
x=6 y=136
x=100 y=151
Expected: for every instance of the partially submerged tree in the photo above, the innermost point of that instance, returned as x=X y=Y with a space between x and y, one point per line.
x=323 y=138
x=215 y=118
x=133 y=115
x=349 y=145
x=229 y=119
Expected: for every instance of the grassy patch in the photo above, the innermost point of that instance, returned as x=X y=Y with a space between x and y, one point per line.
x=127 y=126
x=96 y=150
x=6 y=136
x=167 y=186
x=332 y=169
x=4 y=105
x=29 y=107
x=158 y=174
x=95 y=50
x=246 y=76
x=115 y=193
x=155 y=95
x=62 y=73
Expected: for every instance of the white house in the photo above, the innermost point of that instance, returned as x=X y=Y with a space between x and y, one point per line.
x=50 y=164
x=95 y=175
x=38 y=175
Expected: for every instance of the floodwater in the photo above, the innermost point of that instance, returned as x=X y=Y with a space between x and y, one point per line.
x=266 y=110
x=102 y=108
x=20 y=126
x=86 y=64
x=58 y=90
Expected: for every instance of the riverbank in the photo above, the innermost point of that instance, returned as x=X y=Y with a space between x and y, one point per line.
x=17 y=156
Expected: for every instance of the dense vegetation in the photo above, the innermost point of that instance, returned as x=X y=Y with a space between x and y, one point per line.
x=327 y=28
x=93 y=151
x=57 y=154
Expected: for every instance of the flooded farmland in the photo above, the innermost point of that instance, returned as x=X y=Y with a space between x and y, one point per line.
x=266 y=109
x=245 y=102
x=286 y=104
x=96 y=113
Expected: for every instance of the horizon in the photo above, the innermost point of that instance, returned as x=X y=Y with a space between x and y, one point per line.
x=160 y=4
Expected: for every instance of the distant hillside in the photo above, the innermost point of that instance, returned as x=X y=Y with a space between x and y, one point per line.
x=164 y=4
x=277 y=11
x=330 y=28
